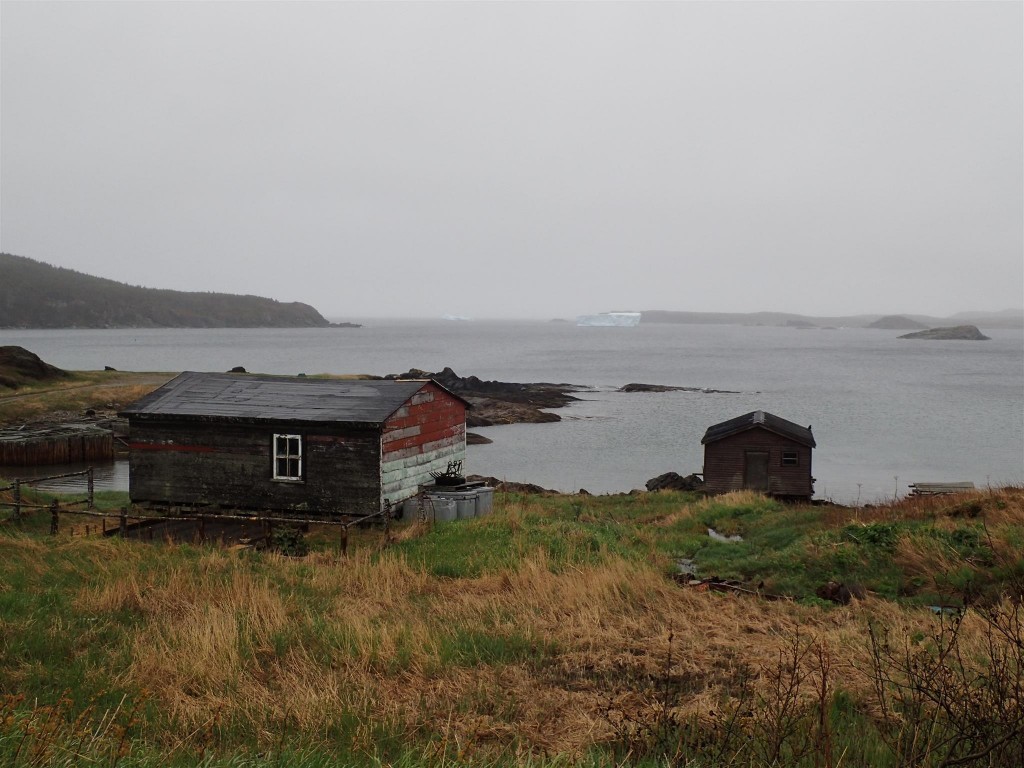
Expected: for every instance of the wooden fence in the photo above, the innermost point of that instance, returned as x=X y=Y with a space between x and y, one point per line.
x=124 y=514
x=18 y=503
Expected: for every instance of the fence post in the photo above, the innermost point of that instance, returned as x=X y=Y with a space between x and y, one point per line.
x=91 y=487
x=54 y=518
x=124 y=522
x=344 y=539
x=17 y=499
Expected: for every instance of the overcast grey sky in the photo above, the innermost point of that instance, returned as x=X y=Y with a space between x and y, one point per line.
x=523 y=159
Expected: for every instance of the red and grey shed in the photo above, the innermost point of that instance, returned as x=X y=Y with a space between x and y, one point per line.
x=761 y=452
x=319 y=446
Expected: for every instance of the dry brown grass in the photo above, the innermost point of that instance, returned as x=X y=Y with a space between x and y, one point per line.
x=98 y=390
x=209 y=645
x=221 y=636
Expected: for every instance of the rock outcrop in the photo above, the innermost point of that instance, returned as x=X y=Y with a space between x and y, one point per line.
x=953 y=333
x=509 y=487
x=18 y=367
x=665 y=388
x=500 y=402
x=672 y=481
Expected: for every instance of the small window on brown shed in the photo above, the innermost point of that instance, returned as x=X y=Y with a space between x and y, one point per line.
x=790 y=458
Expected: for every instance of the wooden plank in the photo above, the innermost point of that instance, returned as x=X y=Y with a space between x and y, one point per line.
x=936 y=489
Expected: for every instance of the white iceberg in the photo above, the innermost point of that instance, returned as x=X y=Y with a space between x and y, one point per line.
x=620 y=319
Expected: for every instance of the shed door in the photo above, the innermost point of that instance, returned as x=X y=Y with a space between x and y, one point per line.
x=755 y=470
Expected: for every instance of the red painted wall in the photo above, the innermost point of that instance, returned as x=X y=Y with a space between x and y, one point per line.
x=432 y=419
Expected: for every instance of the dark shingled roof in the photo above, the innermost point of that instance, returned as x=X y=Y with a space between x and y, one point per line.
x=761 y=419
x=215 y=396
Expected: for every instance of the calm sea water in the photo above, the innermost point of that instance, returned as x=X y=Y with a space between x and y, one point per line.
x=885 y=412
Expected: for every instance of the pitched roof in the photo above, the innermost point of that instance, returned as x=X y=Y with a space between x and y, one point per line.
x=763 y=420
x=245 y=397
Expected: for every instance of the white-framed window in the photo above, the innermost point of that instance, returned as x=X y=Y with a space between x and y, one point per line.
x=790 y=458
x=287 y=457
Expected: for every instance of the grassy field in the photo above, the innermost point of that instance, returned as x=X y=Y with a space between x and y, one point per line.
x=55 y=399
x=549 y=633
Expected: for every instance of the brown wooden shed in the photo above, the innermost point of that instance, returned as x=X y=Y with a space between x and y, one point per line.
x=306 y=445
x=760 y=452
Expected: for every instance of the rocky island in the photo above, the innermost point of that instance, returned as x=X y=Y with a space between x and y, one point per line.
x=953 y=333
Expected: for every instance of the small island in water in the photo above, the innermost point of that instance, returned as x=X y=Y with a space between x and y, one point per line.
x=953 y=333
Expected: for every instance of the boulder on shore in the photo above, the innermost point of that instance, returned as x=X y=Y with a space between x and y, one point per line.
x=952 y=333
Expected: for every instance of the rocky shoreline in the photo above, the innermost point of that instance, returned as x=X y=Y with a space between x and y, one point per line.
x=501 y=402
x=665 y=388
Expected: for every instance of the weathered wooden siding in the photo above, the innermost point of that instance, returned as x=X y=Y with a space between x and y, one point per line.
x=230 y=465
x=422 y=436
x=724 y=463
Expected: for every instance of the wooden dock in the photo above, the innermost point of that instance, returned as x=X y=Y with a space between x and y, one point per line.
x=63 y=444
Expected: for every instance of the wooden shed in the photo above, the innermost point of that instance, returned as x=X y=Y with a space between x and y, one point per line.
x=760 y=452
x=307 y=445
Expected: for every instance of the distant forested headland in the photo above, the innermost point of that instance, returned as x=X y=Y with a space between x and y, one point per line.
x=38 y=295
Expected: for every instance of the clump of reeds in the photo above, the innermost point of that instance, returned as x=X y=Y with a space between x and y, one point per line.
x=55 y=735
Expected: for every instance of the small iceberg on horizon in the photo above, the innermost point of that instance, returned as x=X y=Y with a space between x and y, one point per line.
x=617 y=319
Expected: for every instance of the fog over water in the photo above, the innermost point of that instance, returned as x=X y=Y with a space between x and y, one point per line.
x=523 y=159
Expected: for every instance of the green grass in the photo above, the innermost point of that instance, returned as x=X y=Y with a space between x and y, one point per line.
x=789 y=549
x=69 y=657
x=557 y=526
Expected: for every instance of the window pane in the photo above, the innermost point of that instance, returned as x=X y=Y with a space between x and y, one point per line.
x=287 y=456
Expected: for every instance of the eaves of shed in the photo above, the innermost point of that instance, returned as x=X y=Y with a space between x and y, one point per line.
x=764 y=420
